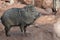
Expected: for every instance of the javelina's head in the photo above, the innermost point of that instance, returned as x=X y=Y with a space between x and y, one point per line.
x=32 y=11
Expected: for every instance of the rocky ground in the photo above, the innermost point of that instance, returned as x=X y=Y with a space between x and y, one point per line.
x=43 y=29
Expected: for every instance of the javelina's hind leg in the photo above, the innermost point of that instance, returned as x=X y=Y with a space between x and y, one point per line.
x=23 y=29
x=6 y=31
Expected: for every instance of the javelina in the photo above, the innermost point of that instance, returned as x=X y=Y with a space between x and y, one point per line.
x=21 y=17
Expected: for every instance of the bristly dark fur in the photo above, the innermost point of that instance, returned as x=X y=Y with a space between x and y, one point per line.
x=21 y=17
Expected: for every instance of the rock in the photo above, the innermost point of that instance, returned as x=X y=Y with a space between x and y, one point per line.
x=16 y=5
x=48 y=19
x=58 y=13
x=57 y=29
x=1 y=27
x=47 y=3
x=38 y=3
x=28 y=1
x=47 y=11
x=2 y=4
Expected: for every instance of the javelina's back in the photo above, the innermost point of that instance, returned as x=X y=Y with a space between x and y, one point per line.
x=10 y=16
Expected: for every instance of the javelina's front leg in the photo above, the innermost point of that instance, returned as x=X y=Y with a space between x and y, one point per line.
x=25 y=30
x=26 y=33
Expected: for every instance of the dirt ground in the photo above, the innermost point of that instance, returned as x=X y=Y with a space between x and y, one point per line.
x=43 y=32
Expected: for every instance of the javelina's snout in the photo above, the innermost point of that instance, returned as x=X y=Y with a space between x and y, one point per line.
x=21 y=17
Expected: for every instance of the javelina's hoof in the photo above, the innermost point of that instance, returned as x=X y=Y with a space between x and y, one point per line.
x=21 y=33
x=25 y=34
x=8 y=35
